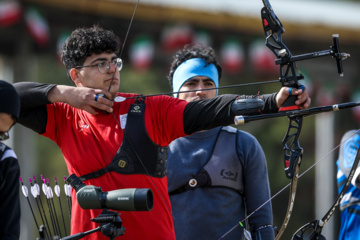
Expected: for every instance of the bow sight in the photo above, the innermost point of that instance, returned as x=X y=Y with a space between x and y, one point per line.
x=289 y=74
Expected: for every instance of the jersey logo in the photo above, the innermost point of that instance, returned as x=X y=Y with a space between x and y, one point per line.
x=229 y=175
x=122 y=163
x=84 y=126
x=136 y=109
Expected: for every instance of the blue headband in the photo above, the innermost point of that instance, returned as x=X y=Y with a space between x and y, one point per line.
x=192 y=68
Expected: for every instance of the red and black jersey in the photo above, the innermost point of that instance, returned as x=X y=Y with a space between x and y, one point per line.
x=89 y=143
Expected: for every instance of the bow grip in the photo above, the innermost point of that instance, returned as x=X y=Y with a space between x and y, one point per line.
x=289 y=103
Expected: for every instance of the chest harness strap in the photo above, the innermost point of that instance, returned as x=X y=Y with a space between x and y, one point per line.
x=223 y=169
x=3 y=148
x=138 y=154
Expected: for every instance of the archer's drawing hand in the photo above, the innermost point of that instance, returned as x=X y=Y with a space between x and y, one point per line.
x=303 y=99
x=82 y=98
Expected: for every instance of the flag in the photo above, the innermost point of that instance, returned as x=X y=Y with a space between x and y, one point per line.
x=60 y=42
x=232 y=56
x=141 y=53
x=175 y=37
x=10 y=13
x=37 y=26
x=202 y=37
x=261 y=58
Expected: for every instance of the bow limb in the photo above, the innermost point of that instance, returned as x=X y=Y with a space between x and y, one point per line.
x=291 y=201
x=312 y=230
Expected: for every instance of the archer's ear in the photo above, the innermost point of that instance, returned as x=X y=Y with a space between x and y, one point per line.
x=74 y=75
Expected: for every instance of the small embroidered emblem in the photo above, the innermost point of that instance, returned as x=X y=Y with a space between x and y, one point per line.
x=136 y=109
x=122 y=163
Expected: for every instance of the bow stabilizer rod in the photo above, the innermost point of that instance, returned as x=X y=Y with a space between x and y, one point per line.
x=239 y=120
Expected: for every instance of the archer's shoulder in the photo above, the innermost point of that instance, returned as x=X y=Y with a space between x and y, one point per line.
x=240 y=133
x=2 y=147
x=6 y=152
x=229 y=129
x=246 y=138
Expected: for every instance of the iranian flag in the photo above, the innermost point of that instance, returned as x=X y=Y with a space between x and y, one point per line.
x=202 y=37
x=10 y=13
x=142 y=53
x=232 y=56
x=37 y=26
x=261 y=58
x=175 y=37
x=60 y=42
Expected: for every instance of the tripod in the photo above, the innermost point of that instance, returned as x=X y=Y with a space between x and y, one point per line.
x=110 y=226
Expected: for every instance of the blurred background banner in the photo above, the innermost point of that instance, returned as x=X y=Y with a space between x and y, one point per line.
x=32 y=32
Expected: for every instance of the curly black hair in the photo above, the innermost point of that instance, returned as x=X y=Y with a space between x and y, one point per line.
x=83 y=42
x=193 y=51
